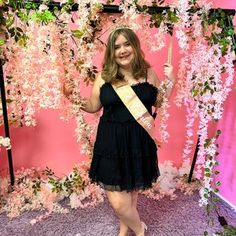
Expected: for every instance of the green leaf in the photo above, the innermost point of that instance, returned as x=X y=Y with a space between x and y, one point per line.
x=218 y=132
x=208 y=175
x=207 y=143
x=23 y=16
x=215 y=199
x=216 y=163
x=2 y=42
x=8 y=100
x=42 y=17
x=206 y=190
x=9 y=22
x=78 y=33
x=23 y=40
x=161 y=1
x=195 y=92
x=230 y=32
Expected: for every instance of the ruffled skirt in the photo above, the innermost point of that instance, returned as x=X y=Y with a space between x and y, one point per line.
x=124 y=158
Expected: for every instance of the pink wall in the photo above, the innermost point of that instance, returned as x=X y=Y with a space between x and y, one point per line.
x=227 y=150
x=52 y=143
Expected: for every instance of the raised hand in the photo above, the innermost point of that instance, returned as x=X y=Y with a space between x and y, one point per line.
x=67 y=88
x=169 y=72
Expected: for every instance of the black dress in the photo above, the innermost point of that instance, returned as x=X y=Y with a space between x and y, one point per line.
x=125 y=156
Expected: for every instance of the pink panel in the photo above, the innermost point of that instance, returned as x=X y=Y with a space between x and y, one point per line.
x=51 y=143
x=227 y=150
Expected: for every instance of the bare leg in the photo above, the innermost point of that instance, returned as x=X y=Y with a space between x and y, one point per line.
x=123 y=227
x=134 y=199
x=122 y=204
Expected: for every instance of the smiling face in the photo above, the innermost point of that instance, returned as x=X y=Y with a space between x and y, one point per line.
x=124 y=52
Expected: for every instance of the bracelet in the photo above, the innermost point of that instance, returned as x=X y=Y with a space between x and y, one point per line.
x=169 y=83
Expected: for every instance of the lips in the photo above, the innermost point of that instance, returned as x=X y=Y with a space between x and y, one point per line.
x=124 y=57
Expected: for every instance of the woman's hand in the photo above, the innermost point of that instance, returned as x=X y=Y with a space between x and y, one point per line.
x=67 y=88
x=169 y=72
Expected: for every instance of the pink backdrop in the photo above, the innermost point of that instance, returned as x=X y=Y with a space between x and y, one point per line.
x=52 y=143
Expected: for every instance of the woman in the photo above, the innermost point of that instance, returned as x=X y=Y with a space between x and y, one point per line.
x=125 y=155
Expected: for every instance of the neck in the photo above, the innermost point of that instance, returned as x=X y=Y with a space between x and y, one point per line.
x=126 y=72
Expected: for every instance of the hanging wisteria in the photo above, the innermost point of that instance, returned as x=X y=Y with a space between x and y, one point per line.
x=43 y=47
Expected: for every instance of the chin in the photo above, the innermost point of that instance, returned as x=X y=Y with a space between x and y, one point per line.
x=125 y=65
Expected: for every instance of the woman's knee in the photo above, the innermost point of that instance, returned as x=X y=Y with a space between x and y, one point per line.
x=120 y=202
x=119 y=207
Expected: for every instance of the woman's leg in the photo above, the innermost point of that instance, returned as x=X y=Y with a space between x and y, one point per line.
x=123 y=227
x=122 y=204
x=134 y=199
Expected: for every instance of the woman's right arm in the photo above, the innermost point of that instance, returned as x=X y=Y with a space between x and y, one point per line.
x=93 y=103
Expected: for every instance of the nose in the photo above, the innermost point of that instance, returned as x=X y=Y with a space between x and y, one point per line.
x=122 y=49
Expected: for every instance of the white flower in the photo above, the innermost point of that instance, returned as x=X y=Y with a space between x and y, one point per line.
x=6 y=142
x=43 y=7
x=74 y=200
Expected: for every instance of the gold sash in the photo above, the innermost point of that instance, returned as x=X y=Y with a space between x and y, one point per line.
x=136 y=108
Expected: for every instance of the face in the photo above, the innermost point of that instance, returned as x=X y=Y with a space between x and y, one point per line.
x=124 y=53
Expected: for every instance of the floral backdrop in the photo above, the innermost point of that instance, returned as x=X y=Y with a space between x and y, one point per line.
x=44 y=45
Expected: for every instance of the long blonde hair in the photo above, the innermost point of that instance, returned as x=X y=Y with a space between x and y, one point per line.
x=110 y=71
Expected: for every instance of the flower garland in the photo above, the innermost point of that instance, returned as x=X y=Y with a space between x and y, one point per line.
x=172 y=179
x=201 y=87
x=83 y=38
x=37 y=189
x=32 y=84
x=71 y=75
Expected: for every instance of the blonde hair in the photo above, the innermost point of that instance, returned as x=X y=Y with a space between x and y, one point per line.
x=110 y=71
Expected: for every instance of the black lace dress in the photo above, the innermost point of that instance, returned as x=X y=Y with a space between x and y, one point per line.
x=125 y=156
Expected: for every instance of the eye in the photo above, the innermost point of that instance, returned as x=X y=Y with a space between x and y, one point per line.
x=116 y=47
x=127 y=44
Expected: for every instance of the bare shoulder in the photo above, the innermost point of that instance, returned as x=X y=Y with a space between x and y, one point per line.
x=152 y=77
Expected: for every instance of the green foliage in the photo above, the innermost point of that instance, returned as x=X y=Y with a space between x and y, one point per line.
x=36 y=185
x=219 y=19
x=25 y=11
x=72 y=183
x=43 y=17
x=23 y=15
x=67 y=7
x=207 y=143
x=2 y=42
x=167 y=17
x=227 y=231
x=18 y=35
x=56 y=184
x=18 y=5
x=78 y=33
x=205 y=233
